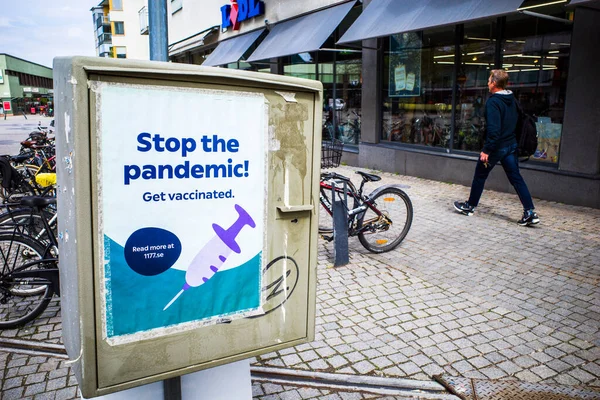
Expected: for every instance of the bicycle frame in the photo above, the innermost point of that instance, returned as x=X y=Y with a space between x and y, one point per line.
x=45 y=275
x=361 y=204
x=51 y=249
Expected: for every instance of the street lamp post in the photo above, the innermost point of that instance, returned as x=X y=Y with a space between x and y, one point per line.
x=157 y=27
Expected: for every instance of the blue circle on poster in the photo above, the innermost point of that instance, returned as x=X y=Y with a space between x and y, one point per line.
x=152 y=251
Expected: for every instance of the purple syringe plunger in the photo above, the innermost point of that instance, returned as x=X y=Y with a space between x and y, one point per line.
x=228 y=236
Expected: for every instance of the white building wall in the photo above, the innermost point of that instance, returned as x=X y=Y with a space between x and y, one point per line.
x=137 y=44
x=197 y=15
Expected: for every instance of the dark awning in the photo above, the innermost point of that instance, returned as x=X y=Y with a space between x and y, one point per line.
x=192 y=42
x=301 y=35
x=388 y=17
x=231 y=50
x=586 y=2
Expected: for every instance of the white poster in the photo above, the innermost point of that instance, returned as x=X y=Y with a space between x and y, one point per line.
x=182 y=184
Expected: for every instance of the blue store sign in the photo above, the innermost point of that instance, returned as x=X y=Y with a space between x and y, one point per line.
x=239 y=11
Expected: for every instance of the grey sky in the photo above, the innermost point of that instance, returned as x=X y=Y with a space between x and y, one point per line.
x=38 y=31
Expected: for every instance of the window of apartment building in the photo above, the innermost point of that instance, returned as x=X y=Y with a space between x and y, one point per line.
x=176 y=5
x=118 y=28
x=116 y=4
x=120 y=52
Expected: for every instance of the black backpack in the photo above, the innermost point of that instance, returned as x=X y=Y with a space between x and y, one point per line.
x=526 y=132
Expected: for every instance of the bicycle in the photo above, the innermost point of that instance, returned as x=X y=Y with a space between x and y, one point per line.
x=29 y=275
x=380 y=220
x=23 y=180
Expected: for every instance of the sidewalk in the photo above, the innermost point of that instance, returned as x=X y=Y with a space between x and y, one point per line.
x=472 y=297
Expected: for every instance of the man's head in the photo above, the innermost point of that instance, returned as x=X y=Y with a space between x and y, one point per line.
x=498 y=80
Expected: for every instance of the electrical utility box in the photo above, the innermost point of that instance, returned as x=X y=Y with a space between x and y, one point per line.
x=188 y=203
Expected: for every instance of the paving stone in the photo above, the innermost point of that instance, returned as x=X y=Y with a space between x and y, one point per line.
x=35 y=378
x=337 y=361
x=572 y=360
x=45 y=396
x=12 y=383
x=493 y=372
x=309 y=355
x=543 y=371
x=364 y=367
x=13 y=394
x=308 y=393
x=28 y=369
x=509 y=367
x=290 y=395
x=581 y=375
x=34 y=389
x=525 y=361
x=257 y=390
x=462 y=366
x=479 y=362
x=55 y=384
x=291 y=359
x=410 y=368
x=270 y=388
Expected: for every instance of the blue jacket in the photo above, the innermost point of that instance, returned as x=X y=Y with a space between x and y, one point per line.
x=501 y=117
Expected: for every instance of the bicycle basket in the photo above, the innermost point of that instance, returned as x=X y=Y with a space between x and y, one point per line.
x=331 y=153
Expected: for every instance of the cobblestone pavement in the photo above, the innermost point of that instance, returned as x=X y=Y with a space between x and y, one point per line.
x=478 y=297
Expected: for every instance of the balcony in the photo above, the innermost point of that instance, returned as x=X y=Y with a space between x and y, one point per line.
x=104 y=38
x=104 y=50
x=143 y=13
x=101 y=20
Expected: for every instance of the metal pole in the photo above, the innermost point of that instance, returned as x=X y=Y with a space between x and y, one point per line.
x=172 y=388
x=159 y=51
x=157 y=27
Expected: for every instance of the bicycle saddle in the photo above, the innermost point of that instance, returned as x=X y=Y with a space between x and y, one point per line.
x=37 y=201
x=369 y=177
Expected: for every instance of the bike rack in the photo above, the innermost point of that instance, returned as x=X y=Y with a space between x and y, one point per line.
x=340 y=226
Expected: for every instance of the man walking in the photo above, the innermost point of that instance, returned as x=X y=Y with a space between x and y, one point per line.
x=500 y=146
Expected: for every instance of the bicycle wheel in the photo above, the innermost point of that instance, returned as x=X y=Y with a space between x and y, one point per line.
x=27 y=222
x=16 y=310
x=381 y=233
x=17 y=250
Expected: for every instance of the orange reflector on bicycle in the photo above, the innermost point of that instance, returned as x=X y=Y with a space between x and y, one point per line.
x=389 y=199
x=381 y=241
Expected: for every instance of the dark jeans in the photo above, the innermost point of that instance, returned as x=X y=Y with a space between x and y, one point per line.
x=510 y=163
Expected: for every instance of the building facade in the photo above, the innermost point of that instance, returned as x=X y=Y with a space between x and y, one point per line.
x=121 y=29
x=25 y=87
x=405 y=82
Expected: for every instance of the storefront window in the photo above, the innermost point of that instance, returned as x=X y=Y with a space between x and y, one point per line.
x=477 y=52
x=536 y=55
x=300 y=66
x=417 y=84
x=340 y=71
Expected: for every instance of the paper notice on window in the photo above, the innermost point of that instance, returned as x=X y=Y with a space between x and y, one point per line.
x=410 y=82
x=400 y=77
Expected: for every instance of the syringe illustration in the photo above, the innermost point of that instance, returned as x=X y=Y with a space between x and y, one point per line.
x=214 y=253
